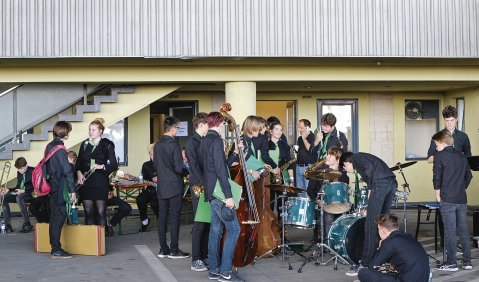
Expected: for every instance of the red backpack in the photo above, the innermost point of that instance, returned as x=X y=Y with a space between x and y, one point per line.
x=39 y=174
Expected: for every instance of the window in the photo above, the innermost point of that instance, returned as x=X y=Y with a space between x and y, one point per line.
x=347 y=118
x=118 y=134
x=460 y=106
x=422 y=121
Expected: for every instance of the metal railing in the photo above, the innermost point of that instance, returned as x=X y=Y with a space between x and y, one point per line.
x=17 y=134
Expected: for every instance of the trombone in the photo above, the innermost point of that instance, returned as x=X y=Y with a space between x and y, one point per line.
x=3 y=189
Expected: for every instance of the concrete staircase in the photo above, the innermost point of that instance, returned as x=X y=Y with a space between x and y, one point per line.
x=121 y=103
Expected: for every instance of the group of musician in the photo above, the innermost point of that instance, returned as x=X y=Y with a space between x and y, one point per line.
x=209 y=167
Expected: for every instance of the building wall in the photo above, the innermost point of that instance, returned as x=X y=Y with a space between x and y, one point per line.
x=238 y=28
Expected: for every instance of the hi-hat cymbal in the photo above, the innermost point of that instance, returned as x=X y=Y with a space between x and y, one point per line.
x=284 y=188
x=324 y=174
x=402 y=165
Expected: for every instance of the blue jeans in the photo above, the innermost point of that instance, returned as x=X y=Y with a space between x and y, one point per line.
x=301 y=181
x=214 y=239
x=454 y=218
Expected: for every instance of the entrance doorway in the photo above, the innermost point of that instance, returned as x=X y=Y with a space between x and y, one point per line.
x=183 y=110
x=285 y=111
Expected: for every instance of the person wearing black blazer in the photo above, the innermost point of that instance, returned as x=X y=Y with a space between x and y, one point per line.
x=95 y=153
x=169 y=169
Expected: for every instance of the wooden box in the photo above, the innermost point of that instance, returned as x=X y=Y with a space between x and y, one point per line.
x=75 y=239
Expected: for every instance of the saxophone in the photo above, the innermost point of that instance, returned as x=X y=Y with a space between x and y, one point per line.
x=197 y=189
x=321 y=162
x=278 y=179
x=314 y=167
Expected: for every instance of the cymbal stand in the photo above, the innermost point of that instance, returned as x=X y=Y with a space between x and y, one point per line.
x=284 y=247
x=318 y=252
x=405 y=194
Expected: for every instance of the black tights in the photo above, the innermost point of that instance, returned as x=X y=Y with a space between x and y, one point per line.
x=95 y=212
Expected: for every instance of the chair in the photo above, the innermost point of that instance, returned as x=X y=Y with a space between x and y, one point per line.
x=429 y=207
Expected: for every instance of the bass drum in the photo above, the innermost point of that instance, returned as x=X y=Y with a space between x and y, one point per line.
x=346 y=237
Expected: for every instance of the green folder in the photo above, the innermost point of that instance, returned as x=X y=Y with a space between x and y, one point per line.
x=203 y=213
x=236 y=190
x=254 y=164
x=286 y=178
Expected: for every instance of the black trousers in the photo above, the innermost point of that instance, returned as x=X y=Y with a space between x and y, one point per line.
x=146 y=197
x=199 y=236
x=40 y=208
x=57 y=219
x=124 y=209
x=171 y=207
x=379 y=202
x=372 y=275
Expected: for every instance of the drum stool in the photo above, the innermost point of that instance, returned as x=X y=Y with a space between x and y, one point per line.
x=430 y=207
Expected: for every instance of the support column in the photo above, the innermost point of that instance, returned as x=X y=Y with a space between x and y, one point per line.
x=242 y=97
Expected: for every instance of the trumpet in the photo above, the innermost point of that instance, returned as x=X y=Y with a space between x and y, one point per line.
x=3 y=189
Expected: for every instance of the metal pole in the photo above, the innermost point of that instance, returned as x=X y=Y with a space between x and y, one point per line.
x=85 y=96
x=14 y=116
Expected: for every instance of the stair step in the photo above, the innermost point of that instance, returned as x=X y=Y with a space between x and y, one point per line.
x=78 y=117
x=88 y=108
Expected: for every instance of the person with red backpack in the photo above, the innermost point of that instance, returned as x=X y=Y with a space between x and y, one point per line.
x=60 y=178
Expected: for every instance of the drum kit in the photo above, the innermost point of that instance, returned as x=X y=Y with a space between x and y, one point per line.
x=345 y=239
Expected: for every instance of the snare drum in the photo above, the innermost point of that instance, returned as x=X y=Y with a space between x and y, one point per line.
x=301 y=213
x=336 y=198
x=361 y=198
x=346 y=237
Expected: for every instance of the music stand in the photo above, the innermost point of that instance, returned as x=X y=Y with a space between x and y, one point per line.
x=473 y=162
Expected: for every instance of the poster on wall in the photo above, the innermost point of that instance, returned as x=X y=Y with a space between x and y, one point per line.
x=182 y=128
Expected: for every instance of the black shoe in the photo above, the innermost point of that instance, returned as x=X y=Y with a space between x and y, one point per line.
x=8 y=228
x=27 y=227
x=178 y=255
x=213 y=275
x=109 y=232
x=225 y=277
x=144 y=227
x=164 y=253
x=61 y=254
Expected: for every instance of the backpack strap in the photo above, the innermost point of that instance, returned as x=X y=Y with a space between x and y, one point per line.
x=53 y=151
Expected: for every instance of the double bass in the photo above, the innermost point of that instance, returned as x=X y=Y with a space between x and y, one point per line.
x=247 y=213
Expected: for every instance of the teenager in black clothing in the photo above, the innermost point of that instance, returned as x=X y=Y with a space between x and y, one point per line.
x=169 y=169
x=401 y=250
x=460 y=142
x=261 y=145
x=61 y=182
x=20 y=195
x=223 y=216
x=280 y=153
x=460 y=139
x=332 y=162
x=201 y=230
x=382 y=186
x=149 y=195
x=451 y=177
x=95 y=153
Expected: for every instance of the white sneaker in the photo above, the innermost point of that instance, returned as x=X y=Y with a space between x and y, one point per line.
x=450 y=268
x=198 y=265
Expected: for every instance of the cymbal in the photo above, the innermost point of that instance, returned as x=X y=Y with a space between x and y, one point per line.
x=402 y=165
x=284 y=188
x=325 y=174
